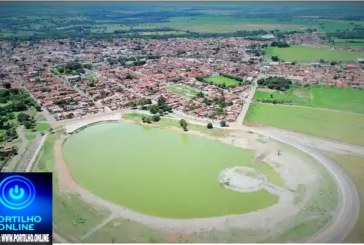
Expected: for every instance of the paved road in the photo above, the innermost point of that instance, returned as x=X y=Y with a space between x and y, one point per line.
x=239 y=121
x=348 y=201
x=348 y=208
x=29 y=154
x=13 y=162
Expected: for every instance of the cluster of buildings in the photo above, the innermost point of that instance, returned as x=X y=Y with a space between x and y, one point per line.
x=121 y=71
x=340 y=75
x=115 y=81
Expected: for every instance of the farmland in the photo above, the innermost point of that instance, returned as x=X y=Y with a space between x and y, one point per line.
x=309 y=54
x=349 y=42
x=343 y=99
x=100 y=20
x=338 y=125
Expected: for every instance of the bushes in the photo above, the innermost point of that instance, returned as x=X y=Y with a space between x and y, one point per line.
x=210 y=126
x=280 y=44
x=274 y=101
x=223 y=124
x=150 y=119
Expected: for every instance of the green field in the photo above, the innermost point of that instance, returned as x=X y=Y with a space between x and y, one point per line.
x=219 y=80
x=30 y=137
x=183 y=90
x=343 y=99
x=42 y=126
x=353 y=165
x=178 y=176
x=172 y=123
x=308 y=54
x=225 y=24
x=338 y=125
x=349 y=42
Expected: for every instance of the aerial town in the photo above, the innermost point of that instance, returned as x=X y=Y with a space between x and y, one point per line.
x=184 y=122
x=111 y=79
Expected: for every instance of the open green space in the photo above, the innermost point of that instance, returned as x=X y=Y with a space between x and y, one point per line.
x=342 y=99
x=30 y=137
x=349 y=42
x=310 y=54
x=42 y=126
x=172 y=123
x=338 y=125
x=183 y=90
x=220 y=80
x=178 y=176
x=225 y=24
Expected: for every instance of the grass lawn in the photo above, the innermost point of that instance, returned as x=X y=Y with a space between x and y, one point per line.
x=308 y=54
x=183 y=90
x=42 y=127
x=168 y=122
x=353 y=165
x=30 y=137
x=219 y=80
x=342 y=99
x=349 y=42
x=298 y=96
x=347 y=127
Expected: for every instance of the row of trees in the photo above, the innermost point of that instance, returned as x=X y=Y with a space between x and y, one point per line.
x=279 y=44
x=150 y=119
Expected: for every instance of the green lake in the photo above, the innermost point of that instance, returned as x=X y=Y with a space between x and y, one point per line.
x=160 y=172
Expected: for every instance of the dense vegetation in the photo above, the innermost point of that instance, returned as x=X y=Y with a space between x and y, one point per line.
x=71 y=68
x=13 y=101
x=277 y=83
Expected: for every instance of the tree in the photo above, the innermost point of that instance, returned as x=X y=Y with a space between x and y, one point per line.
x=223 y=123
x=275 y=58
x=154 y=109
x=156 y=118
x=183 y=124
x=161 y=101
x=7 y=85
x=22 y=117
x=200 y=94
x=38 y=108
x=210 y=126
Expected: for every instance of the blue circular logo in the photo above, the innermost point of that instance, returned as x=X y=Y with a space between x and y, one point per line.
x=16 y=192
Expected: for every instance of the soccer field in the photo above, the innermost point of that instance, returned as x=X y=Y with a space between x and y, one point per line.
x=183 y=90
x=219 y=80
x=308 y=54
